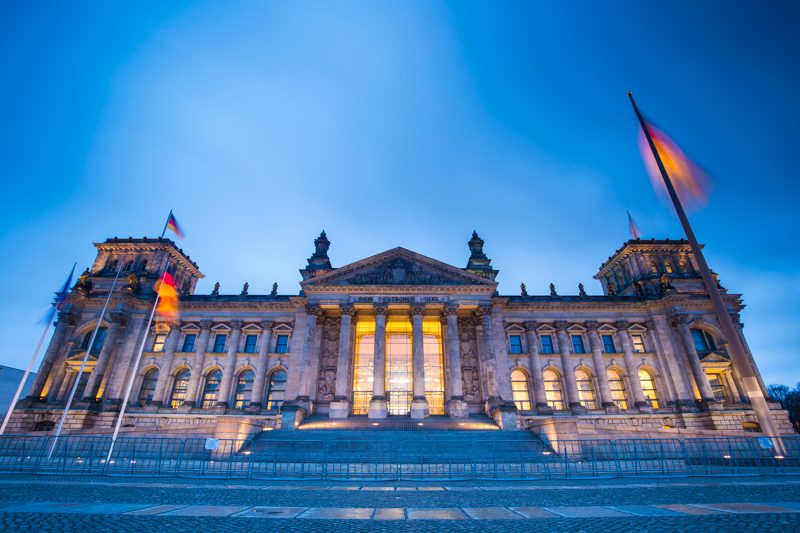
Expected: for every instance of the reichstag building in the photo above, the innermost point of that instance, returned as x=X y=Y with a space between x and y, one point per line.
x=396 y=336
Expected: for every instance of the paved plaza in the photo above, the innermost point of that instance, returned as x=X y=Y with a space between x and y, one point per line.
x=71 y=503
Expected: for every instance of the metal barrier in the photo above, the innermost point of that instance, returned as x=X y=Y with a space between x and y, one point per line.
x=396 y=459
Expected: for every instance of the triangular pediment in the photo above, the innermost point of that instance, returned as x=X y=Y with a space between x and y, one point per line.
x=398 y=267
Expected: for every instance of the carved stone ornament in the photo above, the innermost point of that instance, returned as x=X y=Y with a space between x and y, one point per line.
x=450 y=308
x=470 y=371
x=523 y=290
x=314 y=310
x=347 y=309
x=553 y=290
x=417 y=309
x=380 y=309
x=274 y=290
x=326 y=381
x=245 y=289
x=581 y=290
x=531 y=325
x=400 y=271
x=84 y=282
x=215 y=290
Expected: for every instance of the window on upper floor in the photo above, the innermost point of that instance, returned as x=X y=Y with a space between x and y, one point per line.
x=158 y=342
x=148 y=388
x=519 y=390
x=188 y=342
x=211 y=389
x=577 y=344
x=608 y=344
x=97 y=345
x=638 y=343
x=668 y=266
x=250 y=343
x=244 y=389
x=648 y=384
x=703 y=342
x=514 y=344
x=282 y=344
x=653 y=267
x=219 y=343
x=547 y=343
x=180 y=388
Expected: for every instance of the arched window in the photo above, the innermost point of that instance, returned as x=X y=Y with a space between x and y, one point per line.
x=648 y=387
x=211 y=390
x=519 y=390
x=277 y=387
x=585 y=389
x=703 y=342
x=97 y=345
x=180 y=388
x=148 y=387
x=668 y=266
x=553 y=390
x=653 y=267
x=244 y=389
x=617 y=388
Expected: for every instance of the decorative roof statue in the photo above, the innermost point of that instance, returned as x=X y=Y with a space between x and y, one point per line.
x=665 y=285
x=612 y=290
x=523 y=289
x=133 y=283
x=581 y=290
x=245 y=287
x=319 y=261
x=274 y=290
x=553 y=292
x=84 y=283
x=215 y=290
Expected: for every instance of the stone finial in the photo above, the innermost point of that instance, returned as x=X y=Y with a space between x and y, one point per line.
x=478 y=262
x=553 y=292
x=274 y=290
x=523 y=290
x=245 y=288
x=215 y=290
x=84 y=283
x=581 y=290
x=319 y=259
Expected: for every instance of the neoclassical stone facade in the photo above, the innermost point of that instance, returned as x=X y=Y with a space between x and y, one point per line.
x=397 y=334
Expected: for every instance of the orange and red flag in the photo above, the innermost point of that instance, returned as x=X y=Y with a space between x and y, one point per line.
x=691 y=183
x=167 y=298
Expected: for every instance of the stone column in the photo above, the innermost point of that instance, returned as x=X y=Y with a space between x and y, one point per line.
x=377 y=405
x=487 y=355
x=262 y=365
x=736 y=395
x=456 y=406
x=340 y=406
x=200 y=346
x=599 y=365
x=67 y=321
x=228 y=372
x=540 y=398
x=679 y=374
x=59 y=374
x=122 y=367
x=419 y=403
x=501 y=356
x=307 y=371
x=565 y=347
x=170 y=345
x=630 y=365
x=118 y=321
x=681 y=322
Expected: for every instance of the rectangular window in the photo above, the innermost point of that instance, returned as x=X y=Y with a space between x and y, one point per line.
x=577 y=344
x=219 y=343
x=282 y=344
x=250 y=343
x=638 y=343
x=188 y=342
x=158 y=342
x=515 y=344
x=715 y=380
x=547 y=343
x=702 y=342
x=608 y=344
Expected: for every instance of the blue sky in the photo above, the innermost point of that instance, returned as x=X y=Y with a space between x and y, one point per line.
x=396 y=124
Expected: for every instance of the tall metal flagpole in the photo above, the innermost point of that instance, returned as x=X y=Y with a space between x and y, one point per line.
x=164 y=231
x=135 y=369
x=27 y=373
x=741 y=361
x=83 y=365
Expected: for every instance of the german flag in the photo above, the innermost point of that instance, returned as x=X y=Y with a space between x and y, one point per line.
x=167 y=298
x=173 y=226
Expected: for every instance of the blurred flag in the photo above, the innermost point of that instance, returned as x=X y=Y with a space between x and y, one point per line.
x=691 y=183
x=173 y=226
x=61 y=297
x=635 y=233
x=167 y=298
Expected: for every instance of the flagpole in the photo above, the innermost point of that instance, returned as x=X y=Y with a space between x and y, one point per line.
x=164 y=231
x=135 y=369
x=736 y=349
x=83 y=365
x=35 y=353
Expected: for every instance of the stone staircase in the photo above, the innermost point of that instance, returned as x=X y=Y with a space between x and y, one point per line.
x=402 y=440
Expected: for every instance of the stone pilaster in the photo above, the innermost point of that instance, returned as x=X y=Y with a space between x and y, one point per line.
x=681 y=322
x=487 y=355
x=599 y=366
x=377 y=405
x=199 y=361
x=630 y=366
x=456 y=406
x=679 y=374
x=65 y=327
x=118 y=322
x=419 y=403
x=122 y=367
x=340 y=406
x=539 y=395
x=170 y=345
x=565 y=348
x=229 y=371
x=262 y=366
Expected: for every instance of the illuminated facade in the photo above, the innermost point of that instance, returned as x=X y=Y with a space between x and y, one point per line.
x=396 y=335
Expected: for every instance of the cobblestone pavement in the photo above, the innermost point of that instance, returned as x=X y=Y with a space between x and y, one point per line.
x=64 y=503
